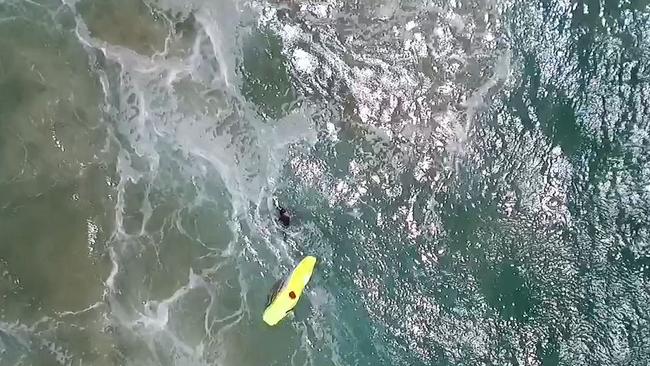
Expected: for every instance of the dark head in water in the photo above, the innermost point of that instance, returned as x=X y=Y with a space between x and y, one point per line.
x=283 y=216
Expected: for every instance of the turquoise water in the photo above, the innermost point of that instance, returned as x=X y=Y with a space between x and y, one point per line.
x=474 y=177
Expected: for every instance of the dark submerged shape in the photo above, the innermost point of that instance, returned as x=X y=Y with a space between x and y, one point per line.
x=284 y=217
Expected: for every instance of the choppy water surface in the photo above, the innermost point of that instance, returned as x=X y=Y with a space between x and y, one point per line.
x=474 y=177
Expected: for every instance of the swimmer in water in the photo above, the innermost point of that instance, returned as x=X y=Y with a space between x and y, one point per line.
x=283 y=215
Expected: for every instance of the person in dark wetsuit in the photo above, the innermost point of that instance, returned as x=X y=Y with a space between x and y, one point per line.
x=283 y=216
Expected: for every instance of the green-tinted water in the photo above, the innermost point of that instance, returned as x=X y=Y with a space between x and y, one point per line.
x=474 y=177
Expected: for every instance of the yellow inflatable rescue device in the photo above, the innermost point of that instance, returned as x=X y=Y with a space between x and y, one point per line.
x=285 y=294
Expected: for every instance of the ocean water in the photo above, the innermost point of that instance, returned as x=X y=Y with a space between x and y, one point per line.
x=473 y=175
